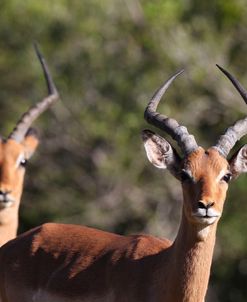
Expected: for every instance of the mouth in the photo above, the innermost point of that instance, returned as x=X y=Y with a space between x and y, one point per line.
x=205 y=219
x=6 y=203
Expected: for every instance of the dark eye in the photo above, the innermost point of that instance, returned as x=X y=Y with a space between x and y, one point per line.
x=185 y=176
x=227 y=177
x=23 y=163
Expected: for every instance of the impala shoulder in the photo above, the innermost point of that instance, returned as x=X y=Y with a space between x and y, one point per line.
x=147 y=245
x=59 y=238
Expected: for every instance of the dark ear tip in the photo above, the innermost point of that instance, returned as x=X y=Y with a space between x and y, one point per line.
x=32 y=132
x=146 y=134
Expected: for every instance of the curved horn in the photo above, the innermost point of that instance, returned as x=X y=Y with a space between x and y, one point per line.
x=239 y=129
x=179 y=133
x=35 y=111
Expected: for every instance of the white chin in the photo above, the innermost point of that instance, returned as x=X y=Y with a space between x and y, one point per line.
x=206 y=220
x=5 y=205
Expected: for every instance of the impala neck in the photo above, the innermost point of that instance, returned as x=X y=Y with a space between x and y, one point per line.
x=8 y=223
x=192 y=254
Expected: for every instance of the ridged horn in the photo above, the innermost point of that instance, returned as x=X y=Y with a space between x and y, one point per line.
x=35 y=111
x=234 y=133
x=179 y=133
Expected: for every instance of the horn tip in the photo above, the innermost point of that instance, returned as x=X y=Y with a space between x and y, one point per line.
x=37 y=50
x=181 y=71
x=221 y=68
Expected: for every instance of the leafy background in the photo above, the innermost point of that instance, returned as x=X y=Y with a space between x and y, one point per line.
x=107 y=58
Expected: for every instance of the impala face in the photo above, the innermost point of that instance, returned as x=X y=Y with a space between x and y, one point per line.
x=21 y=143
x=204 y=173
x=204 y=176
x=13 y=160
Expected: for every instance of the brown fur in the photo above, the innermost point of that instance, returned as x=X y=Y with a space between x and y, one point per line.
x=205 y=168
x=58 y=263
x=11 y=181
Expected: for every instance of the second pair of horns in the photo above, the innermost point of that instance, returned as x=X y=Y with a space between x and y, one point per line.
x=35 y=111
x=180 y=133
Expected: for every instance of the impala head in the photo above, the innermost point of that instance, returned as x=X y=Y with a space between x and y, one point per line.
x=13 y=159
x=204 y=174
x=21 y=143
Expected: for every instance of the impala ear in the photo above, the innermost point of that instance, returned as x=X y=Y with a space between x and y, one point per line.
x=160 y=153
x=30 y=142
x=238 y=163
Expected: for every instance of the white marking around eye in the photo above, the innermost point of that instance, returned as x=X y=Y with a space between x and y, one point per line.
x=189 y=172
x=221 y=174
x=19 y=159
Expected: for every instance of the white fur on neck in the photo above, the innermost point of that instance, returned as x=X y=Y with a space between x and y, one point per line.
x=203 y=232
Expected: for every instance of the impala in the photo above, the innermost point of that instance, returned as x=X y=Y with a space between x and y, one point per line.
x=61 y=263
x=14 y=154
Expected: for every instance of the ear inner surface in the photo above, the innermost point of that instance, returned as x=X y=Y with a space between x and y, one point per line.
x=238 y=163
x=159 y=152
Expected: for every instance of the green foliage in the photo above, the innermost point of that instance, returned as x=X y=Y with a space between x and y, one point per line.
x=107 y=58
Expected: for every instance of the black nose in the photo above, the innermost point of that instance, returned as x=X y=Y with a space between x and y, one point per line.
x=202 y=205
x=4 y=192
x=4 y=195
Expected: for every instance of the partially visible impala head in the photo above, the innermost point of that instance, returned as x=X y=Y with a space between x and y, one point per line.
x=13 y=159
x=204 y=174
x=21 y=143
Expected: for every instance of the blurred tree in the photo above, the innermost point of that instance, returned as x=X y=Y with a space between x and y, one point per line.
x=107 y=58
